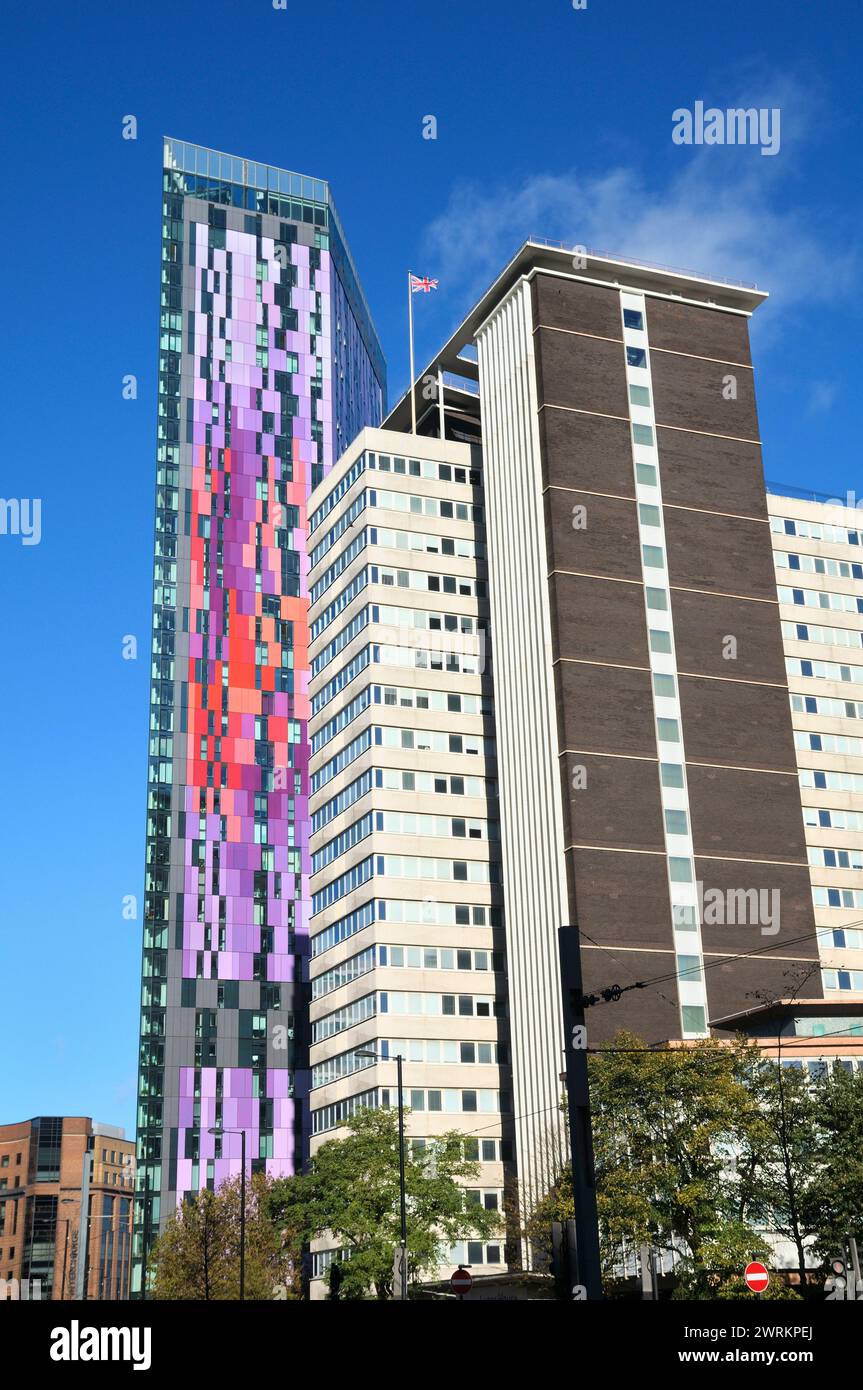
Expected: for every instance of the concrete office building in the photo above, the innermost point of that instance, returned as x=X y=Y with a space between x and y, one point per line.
x=644 y=760
x=818 y=552
x=406 y=926
x=66 y=1190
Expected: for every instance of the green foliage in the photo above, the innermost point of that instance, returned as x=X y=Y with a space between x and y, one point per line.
x=198 y=1255
x=666 y=1124
x=350 y=1193
x=833 y=1202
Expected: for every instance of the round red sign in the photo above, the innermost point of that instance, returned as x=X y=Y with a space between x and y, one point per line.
x=756 y=1277
x=460 y=1281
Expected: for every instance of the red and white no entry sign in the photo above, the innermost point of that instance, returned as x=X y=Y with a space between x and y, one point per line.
x=461 y=1281
x=756 y=1277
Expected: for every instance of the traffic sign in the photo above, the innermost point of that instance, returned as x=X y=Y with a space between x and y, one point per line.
x=461 y=1282
x=756 y=1277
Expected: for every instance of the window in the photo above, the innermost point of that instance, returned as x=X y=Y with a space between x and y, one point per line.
x=633 y=318
x=653 y=557
x=663 y=685
x=675 y=823
x=636 y=357
x=671 y=774
x=668 y=730
x=645 y=473
x=680 y=870
x=660 y=641
x=689 y=968
x=649 y=515
x=693 y=1018
x=639 y=395
x=643 y=434
x=657 y=598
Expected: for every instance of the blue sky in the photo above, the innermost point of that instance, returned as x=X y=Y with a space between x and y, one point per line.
x=550 y=121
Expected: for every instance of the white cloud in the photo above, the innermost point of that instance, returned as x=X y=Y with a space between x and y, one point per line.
x=720 y=211
x=822 y=395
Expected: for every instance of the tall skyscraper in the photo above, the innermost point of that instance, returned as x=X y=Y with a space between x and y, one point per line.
x=638 y=770
x=269 y=364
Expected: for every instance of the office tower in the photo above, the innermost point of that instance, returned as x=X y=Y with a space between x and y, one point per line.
x=645 y=761
x=818 y=551
x=269 y=364
x=407 y=941
x=66 y=1192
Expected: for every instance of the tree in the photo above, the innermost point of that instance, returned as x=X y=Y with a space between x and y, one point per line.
x=668 y=1126
x=780 y=1157
x=198 y=1255
x=833 y=1203
x=350 y=1192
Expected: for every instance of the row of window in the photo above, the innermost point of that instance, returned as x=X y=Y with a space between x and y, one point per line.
x=449 y=1101
x=831 y=781
x=336 y=494
x=833 y=820
x=340 y=760
x=824 y=670
x=396 y=866
x=842 y=980
x=339 y=565
x=410 y=1004
x=841 y=938
x=814 y=530
x=396 y=779
x=817 y=564
x=827 y=704
x=346 y=715
x=837 y=897
x=428 y=741
x=424 y=468
x=427 y=912
x=436 y=1051
x=404 y=957
x=420 y=504
x=344 y=597
x=816 y=598
x=827 y=636
x=828 y=743
x=388 y=577
x=835 y=858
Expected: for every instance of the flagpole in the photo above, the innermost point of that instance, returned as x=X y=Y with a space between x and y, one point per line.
x=411 y=329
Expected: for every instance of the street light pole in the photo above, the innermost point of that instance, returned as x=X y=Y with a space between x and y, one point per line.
x=242 y=1133
x=403 y=1212
x=243 y=1216
x=402 y=1196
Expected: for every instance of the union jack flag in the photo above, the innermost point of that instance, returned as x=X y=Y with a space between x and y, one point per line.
x=422 y=283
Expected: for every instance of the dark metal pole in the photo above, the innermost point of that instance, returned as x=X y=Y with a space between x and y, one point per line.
x=243 y=1218
x=65 y=1255
x=588 y=1274
x=146 y=1234
x=402 y=1197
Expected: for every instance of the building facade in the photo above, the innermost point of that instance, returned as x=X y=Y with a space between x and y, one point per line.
x=407 y=941
x=818 y=552
x=268 y=365
x=645 y=758
x=66 y=1195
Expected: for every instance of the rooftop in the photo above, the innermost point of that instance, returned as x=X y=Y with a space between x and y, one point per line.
x=538 y=254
